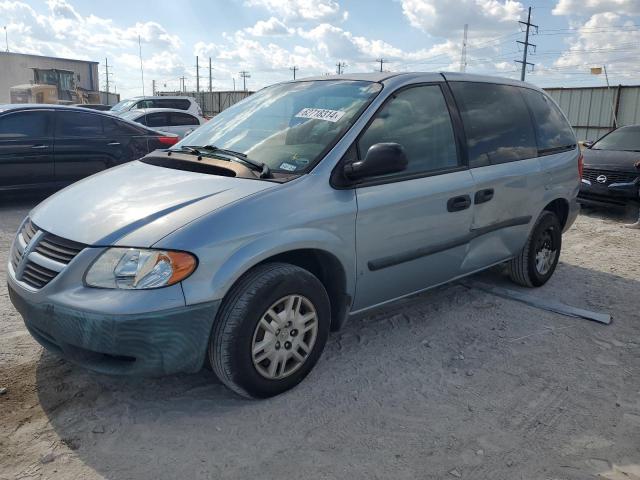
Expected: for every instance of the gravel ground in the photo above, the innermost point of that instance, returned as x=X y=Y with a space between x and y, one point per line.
x=453 y=383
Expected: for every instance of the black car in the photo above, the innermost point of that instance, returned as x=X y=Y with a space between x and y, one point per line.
x=610 y=176
x=55 y=145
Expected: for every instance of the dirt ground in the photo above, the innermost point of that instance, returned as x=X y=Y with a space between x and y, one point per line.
x=453 y=383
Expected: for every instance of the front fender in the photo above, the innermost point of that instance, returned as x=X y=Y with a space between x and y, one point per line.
x=263 y=247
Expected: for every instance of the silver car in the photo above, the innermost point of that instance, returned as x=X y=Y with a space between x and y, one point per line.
x=309 y=202
x=167 y=120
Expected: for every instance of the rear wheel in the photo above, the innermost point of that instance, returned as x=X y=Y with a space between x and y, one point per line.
x=271 y=330
x=539 y=257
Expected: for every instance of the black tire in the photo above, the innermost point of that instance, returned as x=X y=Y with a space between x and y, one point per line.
x=522 y=269
x=241 y=310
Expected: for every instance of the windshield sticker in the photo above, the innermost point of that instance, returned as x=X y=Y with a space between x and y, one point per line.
x=320 y=114
x=288 y=167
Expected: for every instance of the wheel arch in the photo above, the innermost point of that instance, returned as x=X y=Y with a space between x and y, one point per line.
x=560 y=207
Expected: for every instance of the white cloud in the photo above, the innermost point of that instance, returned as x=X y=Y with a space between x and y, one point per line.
x=585 y=7
x=437 y=17
x=271 y=27
x=297 y=10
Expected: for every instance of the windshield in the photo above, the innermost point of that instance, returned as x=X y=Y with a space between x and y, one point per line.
x=123 y=105
x=131 y=114
x=288 y=126
x=625 y=138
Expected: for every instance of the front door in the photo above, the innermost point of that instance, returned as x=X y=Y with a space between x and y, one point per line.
x=81 y=147
x=412 y=228
x=26 y=148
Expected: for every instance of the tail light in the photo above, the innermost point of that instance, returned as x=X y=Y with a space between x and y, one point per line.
x=580 y=165
x=168 y=141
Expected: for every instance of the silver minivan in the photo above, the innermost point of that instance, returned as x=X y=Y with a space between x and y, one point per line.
x=309 y=202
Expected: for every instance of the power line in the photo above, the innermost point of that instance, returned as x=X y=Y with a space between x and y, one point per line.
x=526 y=45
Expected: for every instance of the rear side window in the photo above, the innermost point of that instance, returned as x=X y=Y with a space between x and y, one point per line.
x=78 y=124
x=25 y=125
x=552 y=130
x=156 y=120
x=496 y=121
x=418 y=119
x=115 y=127
x=177 y=119
x=177 y=103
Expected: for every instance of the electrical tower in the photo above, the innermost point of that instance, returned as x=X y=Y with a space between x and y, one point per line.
x=294 y=69
x=381 y=61
x=340 y=66
x=463 y=55
x=526 y=45
x=244 y=75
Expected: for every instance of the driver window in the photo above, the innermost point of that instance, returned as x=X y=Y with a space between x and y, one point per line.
x=418 y=119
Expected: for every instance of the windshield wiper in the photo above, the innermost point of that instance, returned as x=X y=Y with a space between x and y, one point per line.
x=265 y=171
x=185 y=148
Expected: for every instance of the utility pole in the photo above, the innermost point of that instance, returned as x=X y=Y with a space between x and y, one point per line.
x=106 y=67
x=381 y=61
x=294 y=69
x=141 y=69
x=526 y=45
x=153 y=87
x=183 y=86
x=340 y=66
x=244 y=75
x=463 y=55
x=234 y=83
x=210 y=76
x=197 y=75
x=6 y=38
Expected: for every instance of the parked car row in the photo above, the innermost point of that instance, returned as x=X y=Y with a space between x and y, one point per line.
x=52 y=145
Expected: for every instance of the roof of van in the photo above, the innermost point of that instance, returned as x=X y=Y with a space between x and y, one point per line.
x=450 y=76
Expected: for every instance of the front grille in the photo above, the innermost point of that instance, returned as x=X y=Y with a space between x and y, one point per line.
x=592 y=175
x=54 y=254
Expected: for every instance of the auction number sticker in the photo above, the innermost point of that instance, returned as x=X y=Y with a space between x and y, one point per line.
x=320 y=114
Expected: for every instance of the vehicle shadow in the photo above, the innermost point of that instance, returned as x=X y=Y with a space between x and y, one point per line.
x=626 y=214
x=357 y=406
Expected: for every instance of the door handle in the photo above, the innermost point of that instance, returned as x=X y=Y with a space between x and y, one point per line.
x=483 y=196
x=456 y=204
x=38 y=147
x=113 y=144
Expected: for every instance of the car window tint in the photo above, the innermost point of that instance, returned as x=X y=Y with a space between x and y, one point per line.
x=418 y=119
x=496 y=121
x=176 y=119
x=622 y=139
x=553 y=132
x=25 y=125
x=157 y=120
x=78 y=124
x=116 y=127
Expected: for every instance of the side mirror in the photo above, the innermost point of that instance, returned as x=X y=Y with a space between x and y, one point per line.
x=587 y=144
x=381 y=159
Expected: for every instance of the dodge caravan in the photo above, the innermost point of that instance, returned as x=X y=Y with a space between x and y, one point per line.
x=310 y=201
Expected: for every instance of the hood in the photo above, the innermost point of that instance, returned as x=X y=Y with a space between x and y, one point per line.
x=611 y=160
x=137 y=204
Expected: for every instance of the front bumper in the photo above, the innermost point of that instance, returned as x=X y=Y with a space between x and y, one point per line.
x=613 y=194
x=151 y=343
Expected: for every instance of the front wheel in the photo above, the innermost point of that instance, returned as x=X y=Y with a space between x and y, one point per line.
x=539 y=257
x=271 y=330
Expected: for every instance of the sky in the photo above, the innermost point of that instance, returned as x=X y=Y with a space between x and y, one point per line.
x=267 y=38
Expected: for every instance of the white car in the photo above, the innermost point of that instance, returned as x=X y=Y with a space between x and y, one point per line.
x=167 y=120
x=187 y=104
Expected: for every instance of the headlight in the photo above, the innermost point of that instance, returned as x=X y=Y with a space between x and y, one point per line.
x=137 y=268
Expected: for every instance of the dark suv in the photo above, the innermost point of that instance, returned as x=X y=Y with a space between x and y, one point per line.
x=53 y=145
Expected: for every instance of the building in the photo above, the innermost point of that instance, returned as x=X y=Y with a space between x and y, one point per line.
x=594 y=111
x=74 y=79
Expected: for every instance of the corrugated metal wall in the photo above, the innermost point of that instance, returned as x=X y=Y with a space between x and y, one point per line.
x=212 y=103
x=590 y=110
